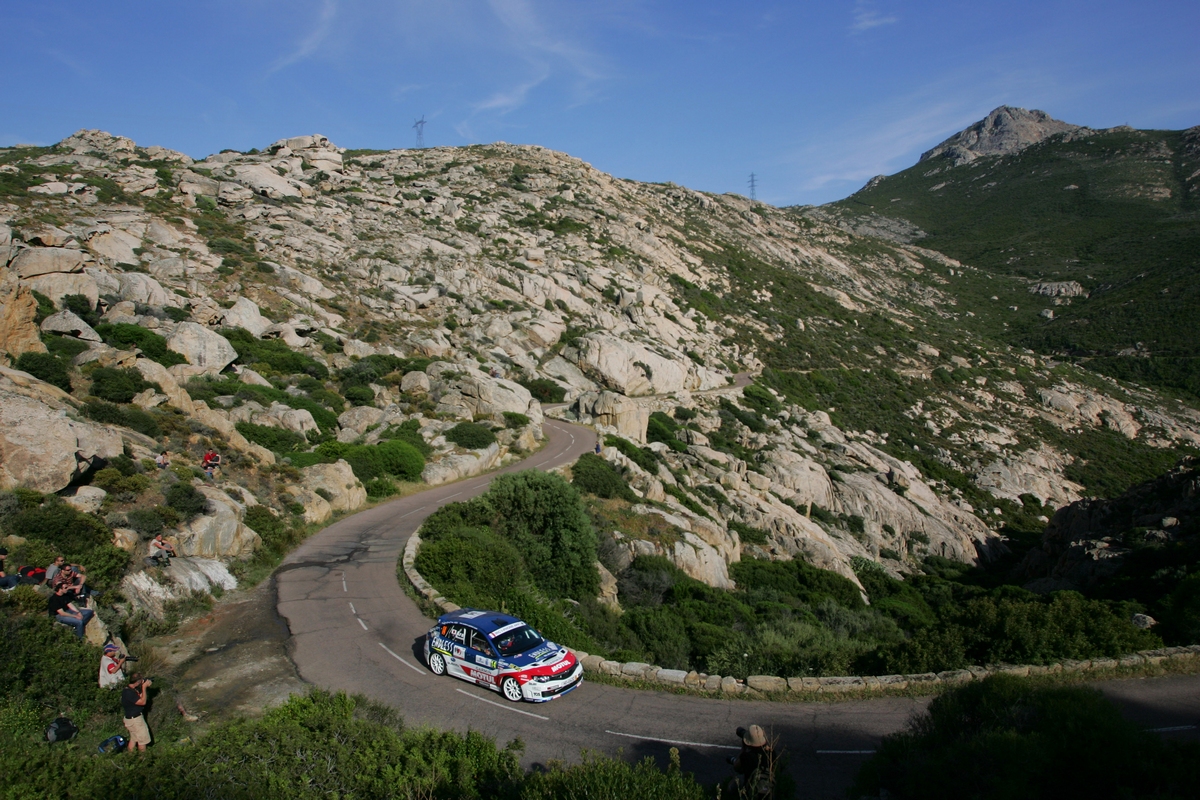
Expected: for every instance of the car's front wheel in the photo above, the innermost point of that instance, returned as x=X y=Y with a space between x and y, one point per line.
x=511 y=690
x=437 y=663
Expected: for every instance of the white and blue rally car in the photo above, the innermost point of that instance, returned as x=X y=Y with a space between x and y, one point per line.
x=502 y=653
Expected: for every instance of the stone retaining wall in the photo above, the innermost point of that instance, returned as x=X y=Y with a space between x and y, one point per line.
x=773 y=685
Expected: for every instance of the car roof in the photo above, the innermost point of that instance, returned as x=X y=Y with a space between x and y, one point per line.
x=488 y=622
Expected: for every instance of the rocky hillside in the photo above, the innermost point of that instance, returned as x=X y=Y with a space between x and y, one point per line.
x=1085 y=243
x=309 y=309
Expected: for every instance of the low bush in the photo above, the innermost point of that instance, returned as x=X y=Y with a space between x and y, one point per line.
x=1004 y=738
x=514 y=420
x=545 y=390
x=471 y=435
x=360 y=395
x=379 y=488
x=661 y=428
x=145 y=522
x=273 y=356
x=47 y=367
x=125 y=336
x=111 y=480
x=594 y=475
x=128 y=417
x=401 y=459
x=118 y=385
x=408 y=431
x=186 y=500
x=277 y=440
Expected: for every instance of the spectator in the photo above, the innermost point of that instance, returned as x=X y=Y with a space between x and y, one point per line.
x=133 y=701
x=163 y=460
x=755 y=764
x=161 y=551
x=112 y=667
x=212 y=461
x=73 y=578
x=61 y=608
x=6 y=581
x=52 y=570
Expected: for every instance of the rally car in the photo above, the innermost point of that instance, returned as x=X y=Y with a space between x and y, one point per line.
x=502 y=653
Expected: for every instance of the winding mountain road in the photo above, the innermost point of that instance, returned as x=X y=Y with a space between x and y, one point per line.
x=354 y=629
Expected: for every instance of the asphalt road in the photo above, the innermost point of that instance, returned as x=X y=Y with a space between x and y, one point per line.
x=353 y=629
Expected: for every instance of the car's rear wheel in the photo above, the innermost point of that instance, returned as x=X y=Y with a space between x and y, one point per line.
x=511 y=690
x=437 y=663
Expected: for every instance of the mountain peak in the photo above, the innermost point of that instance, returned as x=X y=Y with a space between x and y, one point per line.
x=1006 y=130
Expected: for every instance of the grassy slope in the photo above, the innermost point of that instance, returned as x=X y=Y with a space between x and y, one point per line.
x=1136 y=250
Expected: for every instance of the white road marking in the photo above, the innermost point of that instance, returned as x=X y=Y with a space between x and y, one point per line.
x=1173 y=728
x=352 y=611
x=344 y=589
x=673 y=741
x=360 y=622
x=401 y=660
x=845 y=752
x=456 y=494
x=501 y=705
x=409 y=514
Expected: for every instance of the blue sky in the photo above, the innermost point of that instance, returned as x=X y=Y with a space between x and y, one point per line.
x=813 y=97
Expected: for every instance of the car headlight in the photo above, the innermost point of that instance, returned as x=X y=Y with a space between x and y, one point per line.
x=543 y=678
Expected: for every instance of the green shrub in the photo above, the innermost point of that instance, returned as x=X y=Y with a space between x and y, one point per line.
x=275 y=354
x=748 y=533
x=186 y=499
x=125 y=336
x=472 y=565
x=111 y=480
x=408 y=431
x=46 y=367
x=796 y=578
x=118 y=385
x=514 y=420
x=644 y=457
x=43 y=662
x=471 y=435
x=60 y=525
x=661 y=428
x=82 y=307
x=543 y=516
x=277 y=536
x=133 y=418
x=545 y=390
x=65 y=347
x=401 y=459
x=1005 y=738
x=360 y=395
x=379 y=488
x=594 y=475
x=277 y=440
x=145 y=521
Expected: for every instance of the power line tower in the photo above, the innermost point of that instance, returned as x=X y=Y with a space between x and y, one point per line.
x=753 y=186
x=419 y=127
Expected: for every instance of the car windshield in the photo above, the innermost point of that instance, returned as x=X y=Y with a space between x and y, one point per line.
x=515 y=642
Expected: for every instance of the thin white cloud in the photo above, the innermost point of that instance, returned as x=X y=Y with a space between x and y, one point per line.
x=313 y=40
x=513 y=97
x=866 y=17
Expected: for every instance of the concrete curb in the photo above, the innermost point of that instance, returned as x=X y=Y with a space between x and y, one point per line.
x=772 y=685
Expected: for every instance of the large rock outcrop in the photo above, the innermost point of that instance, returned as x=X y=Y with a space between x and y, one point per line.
x=219 y=532
x=18 y=331
x=202 y=347
x=1005 y=131
x=39 y=440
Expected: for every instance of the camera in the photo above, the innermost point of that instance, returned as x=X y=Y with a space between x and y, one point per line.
x=741 y=733
x=130 y=658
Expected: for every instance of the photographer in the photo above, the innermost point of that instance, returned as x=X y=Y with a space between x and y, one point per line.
x=133 y=701
x=755 y=764
x=112 y=667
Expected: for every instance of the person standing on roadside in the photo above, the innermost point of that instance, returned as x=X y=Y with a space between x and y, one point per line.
x=133 y=701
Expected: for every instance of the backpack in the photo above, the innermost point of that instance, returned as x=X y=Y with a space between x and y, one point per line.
x=61 y=730
x=31 y=575
x=113 y=744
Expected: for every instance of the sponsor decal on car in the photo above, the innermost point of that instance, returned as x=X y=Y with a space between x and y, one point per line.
x=460 y=651
x=485 y=661
x=509 y=627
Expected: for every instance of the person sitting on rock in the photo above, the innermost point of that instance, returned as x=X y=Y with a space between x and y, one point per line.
x=163 y=460
x=161 y=551
x=112 y=667
x=6 y=581
x=52 y=570
x=71 y=577
x=61 y=608
x=212 y=461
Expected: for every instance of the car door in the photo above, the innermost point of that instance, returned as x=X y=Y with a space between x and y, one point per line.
x=483 y=667
x=457 y=637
